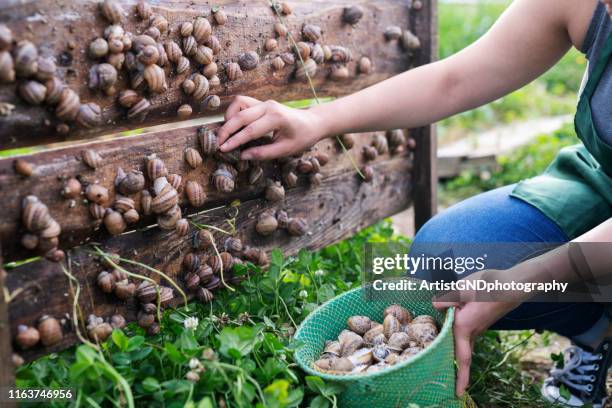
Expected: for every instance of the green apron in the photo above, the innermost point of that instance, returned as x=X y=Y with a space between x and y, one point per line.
x=575 y=191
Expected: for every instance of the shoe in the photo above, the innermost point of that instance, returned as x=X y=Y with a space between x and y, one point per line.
x=583 y=374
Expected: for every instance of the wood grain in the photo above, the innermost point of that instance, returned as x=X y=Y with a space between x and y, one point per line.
x=52 y=167
x=52 y=25
x=342 y=205
x=7 y=374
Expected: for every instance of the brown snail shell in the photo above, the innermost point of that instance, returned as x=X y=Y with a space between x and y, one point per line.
x=204 y=239
x=256 y=255
x=27 y=337
x=191 y=262
x=370 y=153
x=316 y=166
x=341 y=54
x=192 y=281
x=188 y=86
x=205 y=273
x=35 y=214
x=117 y=321
x=278 y=64
x=106 y=282
x=375 y=331
x=204 y=295
x=274 y=191
x=391 y=325
x=183 y=66
x=141 y=41
x=280 y=30
x=290 y=179
x=288 y=58
x=128 y=98
x=156 y=78
x=190 y=46
x=156 y=168
x=201 y=86
x=55 y=255
x=424 y=319
x=350 y=342
x=139 y=110
x=102 y=76
x=32 y=92
x=215 y=263
x=168 y=220
x=149 y=55
x=89 y=115
x=99 y=332
x=212 y=102
x=131 y=183
x=339 y=73
x=202 y=30
x=233 y=71
x=97 y=194
x=248 y=61
x=146 y=292
x=116 y=60
x=396 y=138
x=159 y=22
x=214 y=44
x=352 y=14
x=311 y=32
x=380 y=143
x=233 y=245
x=195 y=194
x=114 y=31
x=368 y=173
x=398 y=341
x=308 y=69
x=46 y=68
x=25 y=59
x=359 y=324
x=131 y=216
x=119 y=274
x=173 y=51
x=283 y=219
x=210 y=70
x=208 y=141
x=115 y=46
x=112 y=11
x=184 y=111
x=271 y=44
x=23 y=167
x=97 y=211
x=410 y=41
x=255 y=175
x=29 y=241
x=227 y=260
x=6 y=37
x=401 y=314
x=186 y=29
x=145 y=319
x=145 y=202
x=54 y=91
x=153 y=32
x=266 y=224
x=332 y=348
x=69 y=105
x=223 y=180
x=166 y=295
x=203 y=55
x=219 y=16
x=72 y=188
x=364 y=66
x=317 y=53
x=53 y=230
x=125 y=290
x=143 y=9
x=91 y=158
x=303 y=50
x=304 y=166
x=182 y=227
x=348 y=140
x=50 y=331
x=114 y=222
x=393 y=33
x=165 y=200
x=297 y=227
x=193 y=158
x=7 y=68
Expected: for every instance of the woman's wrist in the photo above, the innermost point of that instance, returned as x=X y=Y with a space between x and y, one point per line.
x=324 y=122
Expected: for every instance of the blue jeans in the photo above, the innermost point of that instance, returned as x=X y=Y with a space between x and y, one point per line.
x=496 y=217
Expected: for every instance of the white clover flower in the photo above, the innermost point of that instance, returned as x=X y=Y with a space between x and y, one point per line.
x=319 y=272
x=194 y=363
x=303 y=294
x=191 y=323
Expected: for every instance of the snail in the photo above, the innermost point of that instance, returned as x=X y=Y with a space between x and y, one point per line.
x=182 y=227
x=117 y=273
x=332 y=349
x=155 y=77
x=339 y=73
x=297 y=227
x=256 y=255
x=283 y=8
x=341 y=54
x=362 y=356
x=396 y=139
x=170 y=218
x=278 y=64
x=55 y=255
x=192 y=281
x=248 y=60
x=123 y=204
x=205 y=273
x=233 y=71
x=212 y=102
x=145 y=202
x=188 y=86
x=401 y=314
x=347 y=140
x=219 y=16
x=422 y=332
x=410 y=41
x=359 y=324
x=184 y=111
x=125 y=290
x=183 y=66
x=371 y=336
x=210 y=70
x=204 y=239
x=29 y=241
x=112 y=11
x=143 y=9
x=115 y=46
x=131 y=216
x=288 y=58
x=6 y=37
x=208 y=141
x=304 y=166
x=146 y=292
x=233 y=245
x=27 y=337
x=303 y=50
x=23 y=167
x=390 y=325
x=424 y=319
x=97 y=193
x=155 y=168
x=141 y=41
x=106 y=282
x=227 y=260
x=97 y=211
x=271 y=44
x=266 y=224
x=275 y=192
x=114 y=222
x=370 y=153
x=153 y=32
x=255 y=175
x=364 y=65
x=203 y=55
x=290 y=179
x=350 y=342
x=195 y=194
x=7 y=68
x=398 y=342
x=352 y=14
x=149 y=55
x=327 y=53
x=214 y=262
x=202 y=30
x=103 y=77
x=311 y=32
x=191 y=262
x=204 y=295
x=283 y=219
x=280 y=30
x=224 y=180
x=193 y=158
x=201 y=86
x=380 y=143
x=214 y=44
x=72 y=188
x=117 y=321
x=89 y=115
x=393 y=33
x=189 y=45
x=131 y=182
x=97 y=329
x=317 y=54
x=62 y=129
x=139 y=110
x=368 y=173
x=158 y=22
x=166 y=198
x=46 y=69
x=50 y=331
x=116 y=60
x=186 y=29
x=306 y=70
x=32 y=92
x=69 y=105
x=25 y=59
x=114 y=31
x=35 y=214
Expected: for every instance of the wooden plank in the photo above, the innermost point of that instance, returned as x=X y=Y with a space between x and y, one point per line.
x=55 y=25
x=52 y=167
x=425 y=159
x=7 y=373
x=342 y=205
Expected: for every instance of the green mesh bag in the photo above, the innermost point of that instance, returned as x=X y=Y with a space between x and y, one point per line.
x=427 y=380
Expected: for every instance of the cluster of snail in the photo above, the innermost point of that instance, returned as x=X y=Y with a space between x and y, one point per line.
x=368 y=346
x=43 y=229
x=38 y=83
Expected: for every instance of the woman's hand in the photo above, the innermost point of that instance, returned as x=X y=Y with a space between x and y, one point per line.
x=246 y=119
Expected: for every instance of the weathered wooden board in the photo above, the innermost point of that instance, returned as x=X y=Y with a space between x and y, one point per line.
x=342 y=205
x=7 y=375
x=54 y=25
x=52 y=167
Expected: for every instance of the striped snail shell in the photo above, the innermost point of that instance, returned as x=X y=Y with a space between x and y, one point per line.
x=308 y=69
x=26 y=59
x=141 y=41
x=145 y=202
x=195 y=194
x=32 y=92
x=227 y=260
x=163 y=56
x=210 y=70
x=288 y=58
x=248 y=60
x=52 y=231
x=303 y=50
x=208 y=141
x=215 y=263
x=341 y=54
x=212 y=102
x=139 y=110
x=233 y=71
x=97 y=193
x=89 y=116
x=112 y=10
x=214 y=44
x=175 y=181
x=173 y=51
x=165 y=200
x=97 y=211
x=204 y=295
x=193 y=157
x=182 y=66
x=205 y=272
x=188 y=85
x=143 y=9
x=189 y=46
x=186 y=29
x=311 y=32
x=233 y=245
x=203 y=55
x=156 y=168
x=149 y=55
x=278 y=64
x=170 y=218
x=46 y=68
x=316 y=166
x=192 y=281
x=7 y=68
x=128 y=98
x=153 y=32
x=54 y=90
x=201 y=86
x=191 y=262
x=102 y=76
x=50 y=331
x=214 y=81
x=182 y=227
x=91 y=158
x=223 y=180
x=159 y=22
x=297 y=226
x=370 y=153
x=317 y=54
x=35 y=214
x=114 y=222
x=156 y=78
x=69 y=105
x=123 y=204
x=275 y=192
x=380 y=143
x=202 y=30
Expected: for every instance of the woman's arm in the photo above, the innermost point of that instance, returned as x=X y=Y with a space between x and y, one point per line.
x=526 y=41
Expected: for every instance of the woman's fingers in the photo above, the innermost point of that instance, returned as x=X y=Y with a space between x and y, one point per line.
x=256 y=129
x=267 y=152
x=240 y=103
x=463 y=355
x=237 y=122
x=441 y=305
